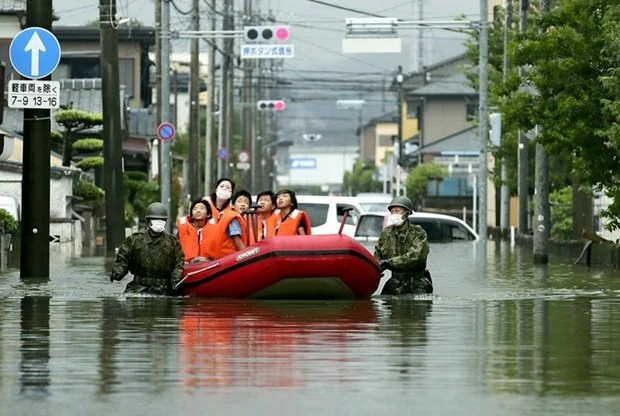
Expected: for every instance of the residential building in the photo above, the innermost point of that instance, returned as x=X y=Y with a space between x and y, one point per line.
x=379 y=135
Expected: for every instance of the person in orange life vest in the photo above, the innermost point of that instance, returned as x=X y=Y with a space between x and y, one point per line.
x=266 y=212
x=220 y=197
x=195 y=231
x=289 y=220
x=230 y=234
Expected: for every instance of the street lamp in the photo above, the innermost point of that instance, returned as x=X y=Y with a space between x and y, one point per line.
x=398 y=79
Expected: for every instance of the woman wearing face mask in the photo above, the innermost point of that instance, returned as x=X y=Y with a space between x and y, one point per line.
x=196 y=231
x=154 y=257
x=230 y=233
x=403 y=249
x=220 y=198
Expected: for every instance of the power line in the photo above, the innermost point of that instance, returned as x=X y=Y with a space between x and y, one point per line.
x=335 y=6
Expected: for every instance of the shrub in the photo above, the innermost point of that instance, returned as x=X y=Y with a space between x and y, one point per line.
x=88 y=145
x=89 y=163
x=7 y=222
x=88 y=191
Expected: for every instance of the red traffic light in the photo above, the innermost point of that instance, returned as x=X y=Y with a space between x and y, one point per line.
x=270 y=105
x=266 y=34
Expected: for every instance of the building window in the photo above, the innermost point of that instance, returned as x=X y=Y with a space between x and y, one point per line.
x=412 y=109
x=472 y=111
x=385 y=141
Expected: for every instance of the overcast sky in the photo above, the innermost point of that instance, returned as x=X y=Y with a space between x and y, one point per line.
x=317 y=32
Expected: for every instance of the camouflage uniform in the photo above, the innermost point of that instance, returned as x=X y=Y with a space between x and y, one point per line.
x=406 y=248
x=155 y=261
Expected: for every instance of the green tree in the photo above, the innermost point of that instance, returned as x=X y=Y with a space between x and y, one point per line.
x=418 y=178
x=361 y=178
x=569 y=88
x=75 y=121
x=561 y=213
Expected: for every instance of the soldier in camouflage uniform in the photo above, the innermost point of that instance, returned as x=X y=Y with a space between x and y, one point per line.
x=152 y=256
x=403 y=249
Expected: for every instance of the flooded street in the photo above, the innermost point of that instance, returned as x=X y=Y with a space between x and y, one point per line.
x=499 y=336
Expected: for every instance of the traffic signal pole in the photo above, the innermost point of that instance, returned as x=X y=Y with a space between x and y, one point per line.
x=35 y=226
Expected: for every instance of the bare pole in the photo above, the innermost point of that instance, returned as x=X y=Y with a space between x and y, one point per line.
x=193 y=179
x=504 y=218
x=523 y=158
x=229 y=47
x=541 y=194
x=483 y=75
x=210 y=105
x=166 y=181
x=222 y=165
x=112 y=139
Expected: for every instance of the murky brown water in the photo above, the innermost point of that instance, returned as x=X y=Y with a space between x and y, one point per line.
x=498 y=337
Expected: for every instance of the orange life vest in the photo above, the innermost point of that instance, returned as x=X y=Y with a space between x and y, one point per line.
x=195 y=241
x=216 y=213
x=222 y=244
x=289 y=224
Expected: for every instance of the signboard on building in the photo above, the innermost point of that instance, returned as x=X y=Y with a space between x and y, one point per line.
x=303 y=163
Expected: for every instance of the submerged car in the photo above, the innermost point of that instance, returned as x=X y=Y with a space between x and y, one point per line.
x=439 y=228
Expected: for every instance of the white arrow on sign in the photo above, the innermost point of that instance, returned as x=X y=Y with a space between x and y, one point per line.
x=34 y=46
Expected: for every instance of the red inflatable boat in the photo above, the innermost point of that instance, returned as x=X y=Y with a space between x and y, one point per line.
x=288 y=267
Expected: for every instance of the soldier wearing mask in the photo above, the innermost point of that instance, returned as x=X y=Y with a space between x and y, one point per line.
x=154 y=257
x=403 y=249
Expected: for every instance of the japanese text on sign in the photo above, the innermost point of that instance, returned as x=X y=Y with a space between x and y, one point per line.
x=34 y=94
x=267 y=51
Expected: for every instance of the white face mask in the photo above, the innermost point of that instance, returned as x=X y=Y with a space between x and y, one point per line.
x=396 y=219
x=223 y=194
x=157 y=226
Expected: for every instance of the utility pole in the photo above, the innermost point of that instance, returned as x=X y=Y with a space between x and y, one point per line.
x=246 y=97
x=541 y=194
x=158 y=62
x=165 y=174
x=222 y=163
x=399 y=82
x=210 y=105
x=35 y=226
x=229 y=49
x=112 y=139
x=193 y=172
x=504 y=219
x=523 y=157
x=484 y=120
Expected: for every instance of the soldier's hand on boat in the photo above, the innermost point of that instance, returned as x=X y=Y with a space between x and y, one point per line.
x=115 y=276
x=385 y=265
x=197 y=259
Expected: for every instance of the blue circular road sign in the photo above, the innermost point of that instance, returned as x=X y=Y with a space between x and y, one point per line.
x=34 y=52
x=222 y=153
x=166 y=131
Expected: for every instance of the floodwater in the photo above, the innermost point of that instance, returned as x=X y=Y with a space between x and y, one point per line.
x=499 y=336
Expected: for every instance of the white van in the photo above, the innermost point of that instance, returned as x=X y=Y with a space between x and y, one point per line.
x=11 y=205
x=326 y=213
x=374 y=201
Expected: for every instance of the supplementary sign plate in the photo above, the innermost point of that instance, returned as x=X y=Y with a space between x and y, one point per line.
x=267 y=51
x=34 y=94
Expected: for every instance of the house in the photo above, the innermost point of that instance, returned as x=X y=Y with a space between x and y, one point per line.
x=378 y=137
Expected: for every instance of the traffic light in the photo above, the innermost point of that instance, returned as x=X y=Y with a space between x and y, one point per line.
x=495 y=132
x=270 y=105
x=266 y=34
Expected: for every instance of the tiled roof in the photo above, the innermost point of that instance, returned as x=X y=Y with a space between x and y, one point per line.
x=456 y=84
x=81 y=94
x=141 y=122
x=12 y=6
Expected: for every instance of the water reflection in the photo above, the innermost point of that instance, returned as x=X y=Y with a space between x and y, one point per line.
x=34 y=366
x=225 y=343
x=539 y=346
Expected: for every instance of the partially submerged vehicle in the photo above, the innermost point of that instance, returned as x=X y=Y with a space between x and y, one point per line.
x=439 y=228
